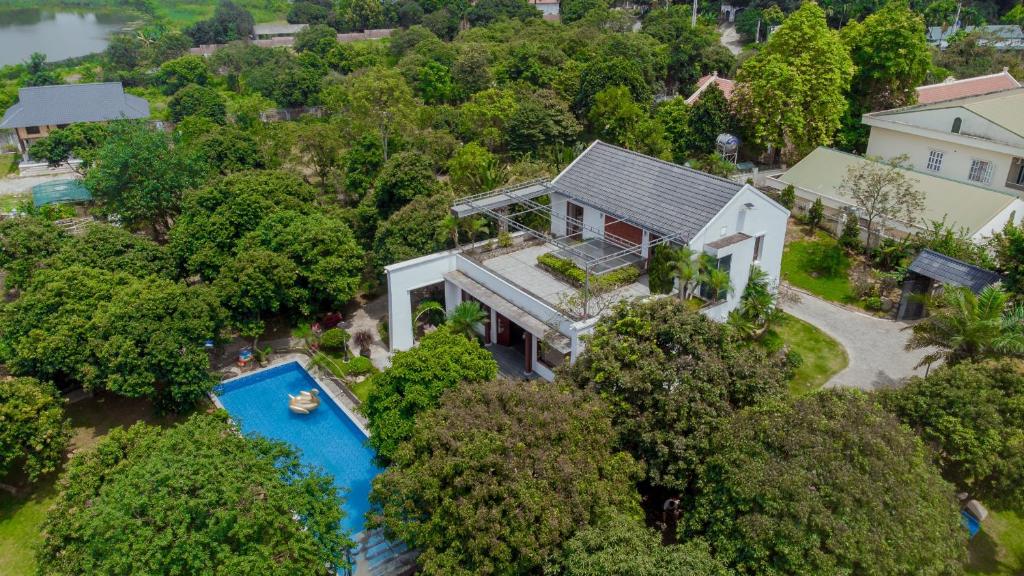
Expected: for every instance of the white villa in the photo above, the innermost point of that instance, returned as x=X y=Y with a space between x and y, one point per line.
x=606 y=211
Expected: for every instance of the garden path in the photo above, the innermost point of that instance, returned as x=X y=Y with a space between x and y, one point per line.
x=875 y=345
x=367 y=317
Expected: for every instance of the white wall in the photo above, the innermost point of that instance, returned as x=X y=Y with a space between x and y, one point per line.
x=558 y=214
x=1015 y=210
x=767 y=218
x=941 y=121
x=404 y=277
x=956 y=161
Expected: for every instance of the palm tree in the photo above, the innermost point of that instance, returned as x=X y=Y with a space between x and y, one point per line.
x=450 y=225
x=686 y=270
x=426 y=307
x=965 y=326
x=474 y=226
x=757 y=305
x=718 y=281
x=467 y=319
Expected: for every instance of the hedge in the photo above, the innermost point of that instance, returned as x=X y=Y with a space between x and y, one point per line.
x=573 y=274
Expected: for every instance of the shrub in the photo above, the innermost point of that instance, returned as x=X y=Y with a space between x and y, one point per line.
x=360 y=366
x=35 y=432
x=573 y=274
x=826 y=258
x=659 y=273
x=334 y=340
x=788 y=197
x=850 y=236
x=873 y=303
x=816 y=213
x=504 y=239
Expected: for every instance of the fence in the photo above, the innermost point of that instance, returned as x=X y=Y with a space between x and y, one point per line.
x=288 y=41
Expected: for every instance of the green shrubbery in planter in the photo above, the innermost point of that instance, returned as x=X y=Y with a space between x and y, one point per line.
x=573 y=274
x=334 y=340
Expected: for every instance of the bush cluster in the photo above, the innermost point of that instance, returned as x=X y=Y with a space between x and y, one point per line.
x=334 y=340
x=573 y=274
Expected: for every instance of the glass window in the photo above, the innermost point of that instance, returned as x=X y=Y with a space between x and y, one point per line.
x=758 y=247
x=935 y=160
x=31 y=129
x=956 y=125
x=1019 y=175
x=981 y=171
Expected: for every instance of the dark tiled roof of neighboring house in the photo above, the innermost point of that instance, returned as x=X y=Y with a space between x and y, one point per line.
x=952 y=89
x=653 y=194
x=70 y=103
x=952 y=271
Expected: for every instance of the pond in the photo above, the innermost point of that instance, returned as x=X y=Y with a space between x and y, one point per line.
x=60 y=34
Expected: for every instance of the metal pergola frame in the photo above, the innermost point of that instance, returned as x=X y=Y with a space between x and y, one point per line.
x=494 y=204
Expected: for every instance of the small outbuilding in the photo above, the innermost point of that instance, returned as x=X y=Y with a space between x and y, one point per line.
x=931 y=269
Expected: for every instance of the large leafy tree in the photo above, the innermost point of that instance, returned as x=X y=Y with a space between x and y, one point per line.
x=1008 y=247
x=415 y=381
x=709 y=117
x=791 y=94
x=672 y=377
x=79 y=141
x=413 y=231
x=826 y=484
x=35 y=431
x=105 y=330
x=257 y=282
x=377 y=99
x=972 y=415
x=599 y=74
x=623 y=546
x=195 y=100
x=114 y=249
x=968 y=326
x=404 y=176
x=616 y=118
x=24 y=244
x=541 y=119
x=225 y=504
x=229 y=22
x=495 y=478
x=140 y=177
x=486 y=11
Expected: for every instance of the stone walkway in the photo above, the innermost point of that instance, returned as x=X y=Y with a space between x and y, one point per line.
x=731 y=38
x=875 y=346
x=367 y=317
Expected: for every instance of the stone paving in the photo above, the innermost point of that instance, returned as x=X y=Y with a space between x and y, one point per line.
x=875 y=346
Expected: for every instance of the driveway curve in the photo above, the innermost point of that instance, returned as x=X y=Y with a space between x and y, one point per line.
x=875 y=346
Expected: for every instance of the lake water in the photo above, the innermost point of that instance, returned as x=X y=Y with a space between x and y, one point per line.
x=58 y=34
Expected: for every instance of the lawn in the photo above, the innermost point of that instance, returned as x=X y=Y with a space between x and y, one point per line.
x=8 y=163
x=799 y=263
x=21 y=517
x=998 y=550
x=9 y=202
x=348 y=371
x=822 y=356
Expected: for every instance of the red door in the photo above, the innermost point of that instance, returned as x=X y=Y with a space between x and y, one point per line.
x=504 y=331
x=623 y=231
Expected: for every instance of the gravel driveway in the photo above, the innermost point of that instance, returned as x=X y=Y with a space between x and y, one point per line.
x=874 y=345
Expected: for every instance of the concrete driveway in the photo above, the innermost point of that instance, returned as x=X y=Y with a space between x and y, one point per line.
x=875 y=346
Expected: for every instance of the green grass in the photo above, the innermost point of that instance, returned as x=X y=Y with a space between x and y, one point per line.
x=798 y=270
x=822 y=356
x=341 y=369
x=8 y=164
x=21 y=517
x=9 y=202
x=998 y=550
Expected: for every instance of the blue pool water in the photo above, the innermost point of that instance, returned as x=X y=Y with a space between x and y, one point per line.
x=327 y=438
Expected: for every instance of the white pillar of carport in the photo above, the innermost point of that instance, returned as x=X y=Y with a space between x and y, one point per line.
x=403 y=278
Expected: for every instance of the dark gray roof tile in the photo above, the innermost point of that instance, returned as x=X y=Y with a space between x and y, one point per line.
x=952 y=271
x=650 y=193
x=70 y=103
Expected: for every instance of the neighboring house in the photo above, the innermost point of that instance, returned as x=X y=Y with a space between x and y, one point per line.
x=275 y=29
x=724 y=84
x=608 y=210
x=41 y=109
x=978 y=139
x=951 y=89
x=1000 y=36
x=977 y=211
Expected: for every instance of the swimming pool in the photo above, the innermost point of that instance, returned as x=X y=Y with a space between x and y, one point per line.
x=327 y=438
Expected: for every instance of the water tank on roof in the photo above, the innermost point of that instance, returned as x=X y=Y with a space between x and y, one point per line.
x=727 y=144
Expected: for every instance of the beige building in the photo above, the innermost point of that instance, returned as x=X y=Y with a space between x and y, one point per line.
x=977 y=140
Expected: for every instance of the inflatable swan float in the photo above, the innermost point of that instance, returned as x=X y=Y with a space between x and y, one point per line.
x=305 y=402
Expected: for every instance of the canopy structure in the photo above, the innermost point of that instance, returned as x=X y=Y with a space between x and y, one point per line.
x=60 y=192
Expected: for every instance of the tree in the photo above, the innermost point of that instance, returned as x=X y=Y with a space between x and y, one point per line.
x=415 y=381
x=180 y=72
x=616 y=71
x=413 y=231
x=35 y=431
x=125 y=52
x=815 y=213
x=686 y=270
x=80 y=141
x=971 y=415
x=891 y=55
x=457 y=490
x=378 y=99
x=672 y=377
x=255 y=283
x=233 y=503
x=790 y=95
x=473 y=169
x=709 y=117
x=358 y=15
x=542 y=119
x=140 y=177
x=322 y=145
x=467 y=319
x=486 y=11
x=229 y=22
x=1008 y=247
x=616 y=118
x=289 y=82
x=38 y=73
x=777 y=487
x=574 y=10
x=661 y=269
x=201 y=101
x=757 y=304
x=964 y=326
x=882 y=192
x=114 y=249
x=318 y=39
x=622 y=546
x=405 y=176
x=24 y=244
x=112 y=331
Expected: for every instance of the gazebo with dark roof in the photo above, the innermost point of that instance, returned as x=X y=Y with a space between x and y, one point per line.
x=931 y=267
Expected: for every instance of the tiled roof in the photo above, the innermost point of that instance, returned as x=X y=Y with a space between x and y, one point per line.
x=952 y=271
x=70 y=103
x=952 y=89
x=724 y=84
x=653 y=194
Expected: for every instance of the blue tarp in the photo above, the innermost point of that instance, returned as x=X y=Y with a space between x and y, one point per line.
x=970 y=522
